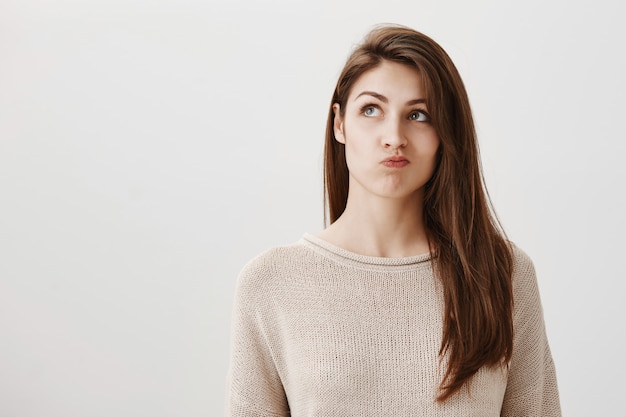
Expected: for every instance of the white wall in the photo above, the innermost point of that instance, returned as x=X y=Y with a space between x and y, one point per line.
x=148 y=149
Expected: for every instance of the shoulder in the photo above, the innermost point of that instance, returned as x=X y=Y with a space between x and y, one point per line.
x=273 y=275
x=274 y=266
x=522 y=263
x=524 y=281
x=275 y=260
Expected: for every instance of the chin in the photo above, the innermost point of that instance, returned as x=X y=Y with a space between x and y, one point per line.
x=402 y=190
x=402 y=193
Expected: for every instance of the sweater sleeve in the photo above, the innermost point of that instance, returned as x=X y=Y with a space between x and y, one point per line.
x=254 y=387
x=531 y=386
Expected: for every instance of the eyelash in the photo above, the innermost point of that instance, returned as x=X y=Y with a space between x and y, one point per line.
x=425 y=113
x=365 y=107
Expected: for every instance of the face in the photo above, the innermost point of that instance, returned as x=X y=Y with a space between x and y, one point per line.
x=391 y=146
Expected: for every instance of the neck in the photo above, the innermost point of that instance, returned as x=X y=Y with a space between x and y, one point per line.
x=384 y=227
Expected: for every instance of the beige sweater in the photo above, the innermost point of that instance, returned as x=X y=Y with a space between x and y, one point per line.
x=320 y=331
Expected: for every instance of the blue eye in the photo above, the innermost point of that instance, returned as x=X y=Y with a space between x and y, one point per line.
x=370 y=111
x=419 y=116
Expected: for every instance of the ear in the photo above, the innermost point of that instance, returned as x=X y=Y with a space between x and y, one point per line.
x=338 y=124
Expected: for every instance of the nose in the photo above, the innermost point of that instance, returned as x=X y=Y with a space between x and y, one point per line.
x=394 y=136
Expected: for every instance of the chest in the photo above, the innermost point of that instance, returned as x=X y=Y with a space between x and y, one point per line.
x=370 y=345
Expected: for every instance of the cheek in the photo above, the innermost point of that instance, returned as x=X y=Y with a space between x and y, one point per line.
x=357 y=141
x=353 y=155
x=429 y=145
x=434 y=149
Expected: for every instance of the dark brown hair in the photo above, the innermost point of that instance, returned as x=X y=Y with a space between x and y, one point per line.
x=470 y=254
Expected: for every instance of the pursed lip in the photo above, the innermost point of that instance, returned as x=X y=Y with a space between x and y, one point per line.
x=395 y=161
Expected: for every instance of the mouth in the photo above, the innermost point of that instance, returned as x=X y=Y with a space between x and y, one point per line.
x=395 y=162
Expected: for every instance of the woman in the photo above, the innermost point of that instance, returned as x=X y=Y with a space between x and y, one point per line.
x=411 y=302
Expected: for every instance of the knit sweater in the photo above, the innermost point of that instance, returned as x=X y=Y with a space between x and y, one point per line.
x=321 y=331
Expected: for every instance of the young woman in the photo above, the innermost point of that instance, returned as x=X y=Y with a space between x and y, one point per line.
x=411 y=302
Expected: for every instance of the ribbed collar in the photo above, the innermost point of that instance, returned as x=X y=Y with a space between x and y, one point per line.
x=344 y=256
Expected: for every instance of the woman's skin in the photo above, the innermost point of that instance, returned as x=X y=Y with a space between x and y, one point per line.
x=391 y=150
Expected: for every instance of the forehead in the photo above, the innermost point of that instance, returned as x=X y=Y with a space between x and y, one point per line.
x=393 y=80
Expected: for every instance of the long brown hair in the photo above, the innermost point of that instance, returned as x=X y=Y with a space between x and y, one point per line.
x=471 y=255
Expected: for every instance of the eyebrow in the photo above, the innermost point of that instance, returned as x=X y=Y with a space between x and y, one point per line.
x=386 y=100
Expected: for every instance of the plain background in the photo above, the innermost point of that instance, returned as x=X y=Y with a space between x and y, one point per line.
x=149 y=149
